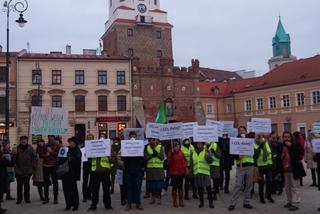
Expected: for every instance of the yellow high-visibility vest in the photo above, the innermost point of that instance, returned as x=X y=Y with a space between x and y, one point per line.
x=154 y=162
x=260 y=161
x=187 y=152
x=216 y=161
x=200 y=165
x=104 y=163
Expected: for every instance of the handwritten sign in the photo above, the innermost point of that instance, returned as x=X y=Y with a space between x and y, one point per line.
x=132 y=148
x=171 y=131
x=249 y=127
x=63 y=152
x=98 y=148
x=205 y=134
x=316 y=127
x=83 y=155
x=138 y=131
x=49 y=121
x=187 y=129
x=228 y=127
x=241 y=146
x=153 y=130
x=261 y=125
x=316 y=145
x=220 y=126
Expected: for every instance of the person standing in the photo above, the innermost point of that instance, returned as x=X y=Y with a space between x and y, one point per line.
x=133 y=171
x=200 y=164
x=215 y=167
x=293 y=169
x=10 y=172
x=244 y=173
x=4 y=163
x=226 y=162
x=177 y=165
x=24 y=158
x=86 y=178
x=100 y=174
x=50 y=162
x=308 y=158
x=38 y=179
x=263 y=157
x=154 y=156
x=317 y=159
x=69 y=180
x=187 y=149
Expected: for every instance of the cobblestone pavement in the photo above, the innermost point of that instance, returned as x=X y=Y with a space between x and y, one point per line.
x=310 y=202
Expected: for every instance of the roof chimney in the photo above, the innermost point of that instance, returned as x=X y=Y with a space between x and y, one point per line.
x=68 y=49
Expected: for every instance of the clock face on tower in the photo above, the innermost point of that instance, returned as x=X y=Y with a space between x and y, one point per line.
x=142 y=8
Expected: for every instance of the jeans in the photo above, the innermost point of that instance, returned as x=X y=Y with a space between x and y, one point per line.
x=133 y=187
x=104 y=179
x=23 y=185
x=225 y=177
x=50 y=172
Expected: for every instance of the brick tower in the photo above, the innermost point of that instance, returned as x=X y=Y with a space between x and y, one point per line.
x=140 y=30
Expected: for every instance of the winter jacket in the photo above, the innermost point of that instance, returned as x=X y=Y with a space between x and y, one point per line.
x=74 y=159
x=226 y=160
x=296 y=151
x=52 y=158
x=308 y=156
x=177 y=163
x=25 y=161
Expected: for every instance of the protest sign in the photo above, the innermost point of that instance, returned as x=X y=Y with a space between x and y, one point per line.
x=241 y=146
x=63 y=152
x=316 y=127
x=49 y=121
x=138 y=131
x=132 y=148
x=233 y=133
x=153 y=130
x=205 y=133
x=187 y=129
x=171 y=131
x=219 y=125
x=249 y=127
x=98 y=148
x=83 y=155
x=316 y=145
x=261 y=125
x=228 y=127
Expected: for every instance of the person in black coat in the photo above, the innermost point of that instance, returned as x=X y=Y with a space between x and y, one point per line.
x=226 y=162
x=4 y=162
x=69 y=180
x=317 y=159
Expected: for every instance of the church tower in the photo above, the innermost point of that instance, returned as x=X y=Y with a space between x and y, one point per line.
x=140 y=29
x=281 y=44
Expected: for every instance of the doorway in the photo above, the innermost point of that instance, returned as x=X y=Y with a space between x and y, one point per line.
x=80 y=132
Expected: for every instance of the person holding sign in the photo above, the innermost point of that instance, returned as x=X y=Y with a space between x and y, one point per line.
x=308 y=158
x=187 y=149
x=263 y=157
x=244 y=173
x=154 y=156
x=100 y=174
x=200 y=164
x=177 y=165
x=215 y=167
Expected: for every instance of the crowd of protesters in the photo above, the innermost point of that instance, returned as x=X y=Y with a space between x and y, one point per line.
x=198 y=168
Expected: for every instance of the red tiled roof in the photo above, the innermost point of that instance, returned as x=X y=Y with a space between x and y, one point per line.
x=207 y=89
x=218 y=75
x=158 y=11
x=69 y=56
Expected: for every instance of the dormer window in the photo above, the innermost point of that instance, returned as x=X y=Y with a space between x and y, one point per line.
x=155 y=2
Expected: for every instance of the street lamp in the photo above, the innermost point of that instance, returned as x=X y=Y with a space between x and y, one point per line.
x=21 y=7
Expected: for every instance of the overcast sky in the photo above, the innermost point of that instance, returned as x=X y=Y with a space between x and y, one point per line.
x=222 y=34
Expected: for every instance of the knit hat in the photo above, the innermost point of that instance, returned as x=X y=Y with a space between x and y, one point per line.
x=73 y=139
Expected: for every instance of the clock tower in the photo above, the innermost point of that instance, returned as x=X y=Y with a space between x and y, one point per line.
x=139 y=29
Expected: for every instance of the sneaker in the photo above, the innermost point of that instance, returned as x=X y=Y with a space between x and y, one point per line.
x=248 y=206
x=231 y=208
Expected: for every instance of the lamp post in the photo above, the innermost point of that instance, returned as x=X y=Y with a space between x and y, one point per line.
x=21 y=7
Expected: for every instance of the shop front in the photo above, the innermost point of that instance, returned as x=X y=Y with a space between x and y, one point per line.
x=3 y=130
x=111 y=127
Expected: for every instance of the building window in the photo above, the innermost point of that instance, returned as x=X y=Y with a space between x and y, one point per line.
x=122 y=103
x=155 y=2
x=103 y=103
x=248 y=105
x=316 y=97
x=272 y=102
x=130 y=32
x=121 y=77
x=286 y=101
x=56 y=77
x=2 y=74
x=102 y=77
x=56 y=101
x=36 y=100
x=159 y=53
x=2 y=105
x=130 y=52
x=80 y=103
x=260 y=104
x=229 y=108
x=36 y=77
x=300 y=99
x=159 y=34
x=209 y=109
x=79 y=77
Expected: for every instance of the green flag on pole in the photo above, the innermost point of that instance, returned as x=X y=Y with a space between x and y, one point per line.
x=161 y=117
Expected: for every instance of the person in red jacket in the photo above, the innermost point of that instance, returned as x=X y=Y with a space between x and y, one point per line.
x=177 y=164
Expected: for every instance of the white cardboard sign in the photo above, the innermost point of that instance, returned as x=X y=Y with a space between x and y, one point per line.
x=153 y=130
x=205 y=133
x=98 y=148
x=63 y=152
x=171 y=131
x=83 y=155
x=132 y=148
x=316 y=145
x=261 y=125
x=241 y=146
x=188 y=128
x=220 y=126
